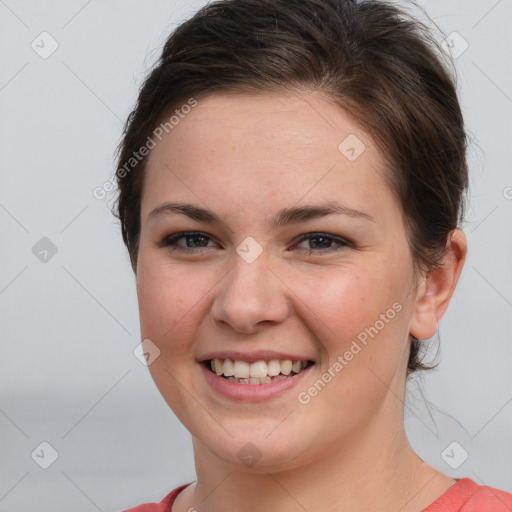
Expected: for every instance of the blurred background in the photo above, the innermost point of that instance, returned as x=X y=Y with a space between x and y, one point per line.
x=82 y=426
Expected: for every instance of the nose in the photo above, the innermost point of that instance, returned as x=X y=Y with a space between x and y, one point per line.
x=251 y=297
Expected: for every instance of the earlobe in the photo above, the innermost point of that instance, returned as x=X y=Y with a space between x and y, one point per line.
x=436 y=288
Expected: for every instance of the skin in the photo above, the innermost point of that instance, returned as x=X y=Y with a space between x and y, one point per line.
x=245 y=157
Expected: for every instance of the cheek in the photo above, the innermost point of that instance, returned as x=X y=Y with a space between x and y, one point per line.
x=359 y=314
x=171 y=299
x=348 y=300
x=361 y=320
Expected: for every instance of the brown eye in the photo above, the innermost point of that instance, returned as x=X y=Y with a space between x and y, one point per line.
x=187 y=241
x=322 y=243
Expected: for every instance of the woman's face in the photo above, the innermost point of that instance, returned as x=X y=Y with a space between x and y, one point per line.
x=300 y=254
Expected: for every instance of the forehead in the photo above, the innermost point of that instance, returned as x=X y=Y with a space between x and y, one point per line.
x=265 y=148
x=309 y=119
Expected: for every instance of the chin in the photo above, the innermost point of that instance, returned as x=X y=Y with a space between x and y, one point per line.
x=256 y=452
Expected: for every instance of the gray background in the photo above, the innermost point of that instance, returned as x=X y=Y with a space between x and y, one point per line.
x=68 y=375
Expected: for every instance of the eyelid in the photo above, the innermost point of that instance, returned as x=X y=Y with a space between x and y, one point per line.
x=166 y=241
x=171 y=241
x=315 y=234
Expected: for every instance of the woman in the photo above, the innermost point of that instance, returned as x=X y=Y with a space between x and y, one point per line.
x=291 y=186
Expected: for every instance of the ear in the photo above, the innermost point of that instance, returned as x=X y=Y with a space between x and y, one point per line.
x=436 y=288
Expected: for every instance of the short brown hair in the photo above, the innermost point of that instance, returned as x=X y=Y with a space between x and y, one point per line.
x=377 y=63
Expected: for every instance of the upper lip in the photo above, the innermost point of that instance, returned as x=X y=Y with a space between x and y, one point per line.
x=252 y=357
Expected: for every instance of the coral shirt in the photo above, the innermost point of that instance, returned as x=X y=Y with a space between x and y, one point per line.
x=463 y=496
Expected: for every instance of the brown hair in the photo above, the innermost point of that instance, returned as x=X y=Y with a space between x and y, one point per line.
x=378 y=64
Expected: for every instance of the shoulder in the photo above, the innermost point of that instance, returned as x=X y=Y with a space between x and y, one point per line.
x=467 y=496
x=488 y=499
x=163 y=506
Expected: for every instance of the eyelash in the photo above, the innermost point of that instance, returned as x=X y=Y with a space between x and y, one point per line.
x=171 y=241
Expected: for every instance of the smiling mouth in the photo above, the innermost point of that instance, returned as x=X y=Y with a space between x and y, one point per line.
x=259 y=372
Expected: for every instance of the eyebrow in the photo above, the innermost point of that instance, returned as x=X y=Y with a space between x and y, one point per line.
x=283 y=217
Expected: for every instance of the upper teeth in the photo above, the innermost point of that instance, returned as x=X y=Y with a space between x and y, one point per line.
x=257 y=370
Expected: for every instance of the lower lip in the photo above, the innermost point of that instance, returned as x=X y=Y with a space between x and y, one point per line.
x=251 y=392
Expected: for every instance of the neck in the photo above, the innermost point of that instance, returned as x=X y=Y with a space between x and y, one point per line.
x=373 y=471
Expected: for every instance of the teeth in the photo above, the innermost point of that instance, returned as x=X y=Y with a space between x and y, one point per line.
x=259 y=372
x=274 y=368
x=241 y=369
x=286 y=367
x=228 y=368
x=217 y=366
